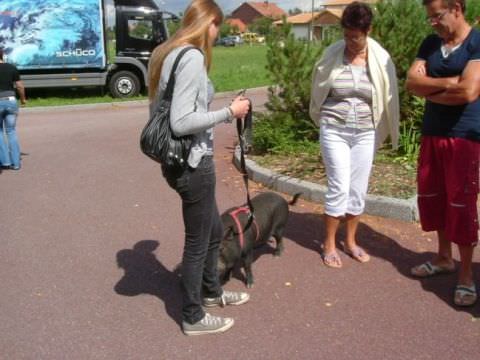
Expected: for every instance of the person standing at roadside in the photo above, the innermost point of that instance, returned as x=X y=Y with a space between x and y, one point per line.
x=447 y=74
x=354 y=101
x=195 y=184
x=9 y=147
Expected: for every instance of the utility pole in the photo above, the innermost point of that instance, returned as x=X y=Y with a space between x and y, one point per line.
x=311 y=22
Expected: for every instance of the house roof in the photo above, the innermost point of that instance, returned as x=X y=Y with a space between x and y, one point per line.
x=268 y=9
x=242 y=27
x=306 y=18
x=303 y=18
x=342 y=2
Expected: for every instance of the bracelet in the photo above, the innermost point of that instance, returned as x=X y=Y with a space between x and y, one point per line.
x=231 y=117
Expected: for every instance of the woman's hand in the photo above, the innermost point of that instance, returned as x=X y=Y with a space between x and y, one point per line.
x=240 y=106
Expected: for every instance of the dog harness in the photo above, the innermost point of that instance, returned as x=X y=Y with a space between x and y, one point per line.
x=234 y=214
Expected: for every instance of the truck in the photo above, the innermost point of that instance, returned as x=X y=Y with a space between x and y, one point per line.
x=77 y=43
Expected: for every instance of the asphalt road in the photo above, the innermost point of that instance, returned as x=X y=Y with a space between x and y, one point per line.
x=90 y=234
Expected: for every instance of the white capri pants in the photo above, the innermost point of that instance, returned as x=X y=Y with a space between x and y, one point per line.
x=348 y=156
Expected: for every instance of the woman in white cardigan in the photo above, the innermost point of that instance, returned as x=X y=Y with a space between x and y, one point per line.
x=354 y=101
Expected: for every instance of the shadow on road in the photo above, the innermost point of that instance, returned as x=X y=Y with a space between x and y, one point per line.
x=307 y=231
x=144 y=274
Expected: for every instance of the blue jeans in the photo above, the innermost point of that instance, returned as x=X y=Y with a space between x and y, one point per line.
x=203 y=233
x=9 y=149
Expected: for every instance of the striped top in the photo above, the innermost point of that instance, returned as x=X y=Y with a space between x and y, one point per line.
x=349 y=102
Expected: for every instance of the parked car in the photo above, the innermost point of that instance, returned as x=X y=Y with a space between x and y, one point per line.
x=226 y=41
x=237 y=38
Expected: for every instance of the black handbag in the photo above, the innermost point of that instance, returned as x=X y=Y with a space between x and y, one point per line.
x=157 y=140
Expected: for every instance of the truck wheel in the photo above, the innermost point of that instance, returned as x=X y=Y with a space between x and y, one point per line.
x=124 y=84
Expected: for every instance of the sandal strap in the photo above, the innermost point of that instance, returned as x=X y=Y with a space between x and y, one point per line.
x=331 y=256
x=428 y=267
x=463 y=289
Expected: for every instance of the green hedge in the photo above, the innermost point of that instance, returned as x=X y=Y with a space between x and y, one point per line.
x=399 y=25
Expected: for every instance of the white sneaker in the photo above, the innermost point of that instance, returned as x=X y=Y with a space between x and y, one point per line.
x=227 y=298
x=208 y=325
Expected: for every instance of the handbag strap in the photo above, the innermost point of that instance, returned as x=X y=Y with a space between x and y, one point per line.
x=171 y=80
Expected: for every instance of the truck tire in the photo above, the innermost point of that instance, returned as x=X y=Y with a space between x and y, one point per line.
x=124 y=84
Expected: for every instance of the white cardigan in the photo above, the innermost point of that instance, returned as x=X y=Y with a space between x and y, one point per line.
x=385 y=103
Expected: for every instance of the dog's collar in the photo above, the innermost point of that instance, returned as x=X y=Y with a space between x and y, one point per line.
x=234 y=214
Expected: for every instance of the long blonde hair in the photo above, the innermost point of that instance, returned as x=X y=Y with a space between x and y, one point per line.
x=194 y=31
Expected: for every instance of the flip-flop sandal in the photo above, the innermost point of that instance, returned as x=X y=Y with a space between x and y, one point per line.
x=465 y=295
x=358 y=254
x=428 y=269
x=332 y=260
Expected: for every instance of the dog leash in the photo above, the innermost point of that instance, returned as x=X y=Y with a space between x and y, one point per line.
x=241 y=138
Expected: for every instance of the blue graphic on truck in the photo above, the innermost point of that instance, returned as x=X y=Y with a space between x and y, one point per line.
x=52 y=33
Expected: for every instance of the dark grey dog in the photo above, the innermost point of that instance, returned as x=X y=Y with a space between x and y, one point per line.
x=270 y=219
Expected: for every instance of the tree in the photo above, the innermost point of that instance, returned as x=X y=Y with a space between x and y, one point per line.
x=472 y=13
x=262 y=25
x=400 y=27
x=294 y=11
x=173 y=26
x=287 y=122
x=227 y=29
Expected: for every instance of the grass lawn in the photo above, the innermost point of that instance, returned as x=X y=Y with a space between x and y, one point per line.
x=239 y=67
x=70 y=96
x=233 y=68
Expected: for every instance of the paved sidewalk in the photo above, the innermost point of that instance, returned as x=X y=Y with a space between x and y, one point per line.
x=90 y=235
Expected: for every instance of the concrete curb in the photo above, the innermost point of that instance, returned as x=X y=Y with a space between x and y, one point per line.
x=120 y=104
x=400 y=209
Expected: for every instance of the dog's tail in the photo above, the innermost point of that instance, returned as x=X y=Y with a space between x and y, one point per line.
x=295 y=198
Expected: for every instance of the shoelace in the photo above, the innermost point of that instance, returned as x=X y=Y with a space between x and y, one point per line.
x=230 y=295
x=211 y=320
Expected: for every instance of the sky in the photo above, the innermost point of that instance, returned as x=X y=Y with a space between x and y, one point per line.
x=176 y=6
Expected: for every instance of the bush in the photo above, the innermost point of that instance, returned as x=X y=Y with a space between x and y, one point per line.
x=262 y=26
x=400 y=27
x=287 y=122
x=473 y=11
x=226 y=29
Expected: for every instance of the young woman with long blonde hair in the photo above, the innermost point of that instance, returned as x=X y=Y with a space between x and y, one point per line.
x=195 y=184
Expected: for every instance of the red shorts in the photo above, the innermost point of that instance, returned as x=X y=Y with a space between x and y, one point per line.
x=448 y=175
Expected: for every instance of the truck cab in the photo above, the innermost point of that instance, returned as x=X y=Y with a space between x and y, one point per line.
x=138 y=30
